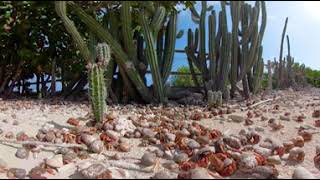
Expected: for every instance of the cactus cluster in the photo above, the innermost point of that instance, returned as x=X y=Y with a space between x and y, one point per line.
x=286 y=74
x=232 y=56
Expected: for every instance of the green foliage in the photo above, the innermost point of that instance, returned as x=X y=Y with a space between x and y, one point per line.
x=184 y=80
x=313 y=77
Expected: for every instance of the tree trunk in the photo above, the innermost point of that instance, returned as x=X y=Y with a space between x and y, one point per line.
x=53 y=75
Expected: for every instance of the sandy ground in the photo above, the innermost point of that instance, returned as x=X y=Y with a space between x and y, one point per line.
x=31 y=115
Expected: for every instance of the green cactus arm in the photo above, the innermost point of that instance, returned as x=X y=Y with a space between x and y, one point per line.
x=202 y=42
x=288 y=45
x=126 y=21
x=194 y=15
x=170 y=43
x=152 y=58
x=158 y=18
x=263 y=20
x=235 y=9
x=212 y=47
x=61 y=10
x=122 y=58
x=254 y=20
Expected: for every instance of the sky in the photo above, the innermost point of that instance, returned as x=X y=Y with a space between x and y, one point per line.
x=303 y=29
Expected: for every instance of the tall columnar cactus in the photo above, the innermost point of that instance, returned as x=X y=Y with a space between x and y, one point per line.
x=97 y=60
x=97 y=86
x=280 y=55
x=122 y=58
x=159 y=57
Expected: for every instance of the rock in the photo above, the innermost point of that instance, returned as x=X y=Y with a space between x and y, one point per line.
x=164 y=174
x=22 y=153
x=15 y=123
x=73 y=121
x=112 y=116
x=113 y=135
x=148 y=133
x=263 y=151
x=298 y=141
x=302 y=173
x=159 y=153
x=97 y=146
x=93 y=171
x=307 y=136
x=9 y=135
x=17 y=173
x=124 y=147
x=1 y=131
x=274 y=160
x=69 y=157
x=184 y=132
x=171 y=137
x=236 y=118
x=180 y=157
x=265 y=172
x=192 y=144
x=232 y=142
x=50 y=136
x=168 y=155
x=247 y=161
x=296 y=154
x=36 y=172
x=148 y=159
x=203 y=140
x=87 y=139
x=117 y=173
x=285 y=118
x=137 y=134
x=55 y=162
x=199 y=173
x=259 y=129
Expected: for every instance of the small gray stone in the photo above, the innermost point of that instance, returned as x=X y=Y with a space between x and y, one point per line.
x=112 y=134
x=259 y=129
x=302 y=173
x=193 y=144
x=15 y=123
x=164 y=174
x=93 y=171
x=22 y=153
x=148 y=159
x=180 y=157
x=274 y=160
x=171 y=137
x=285 y=118
x=148 y=133
x=18 y=173
x=236 y=118
x=97 y=146
x=200 y=173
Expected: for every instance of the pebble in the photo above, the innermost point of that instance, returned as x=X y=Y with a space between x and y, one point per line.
x=15 y=123
x=285 y=118
x=274 y=160
x=124 y=147
x=92 y=171
x=203 y=140
x=113 y=135
x=236 y=118
x=199 y=173
x=148 y=133
x=148 y=159
x=192 y=144
x=259 y=129
x=9 y=135
x=171 y=137
x=50 y=136
x=55 y=162
x=137 y=134
x=1 y=131
x=87 y=139
x=97 y=146
x=164 y=174
x=180 y=157
x=69 y=157
x=302 y=173
x=22 y=153
x=117 y=173
x=18 y=173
